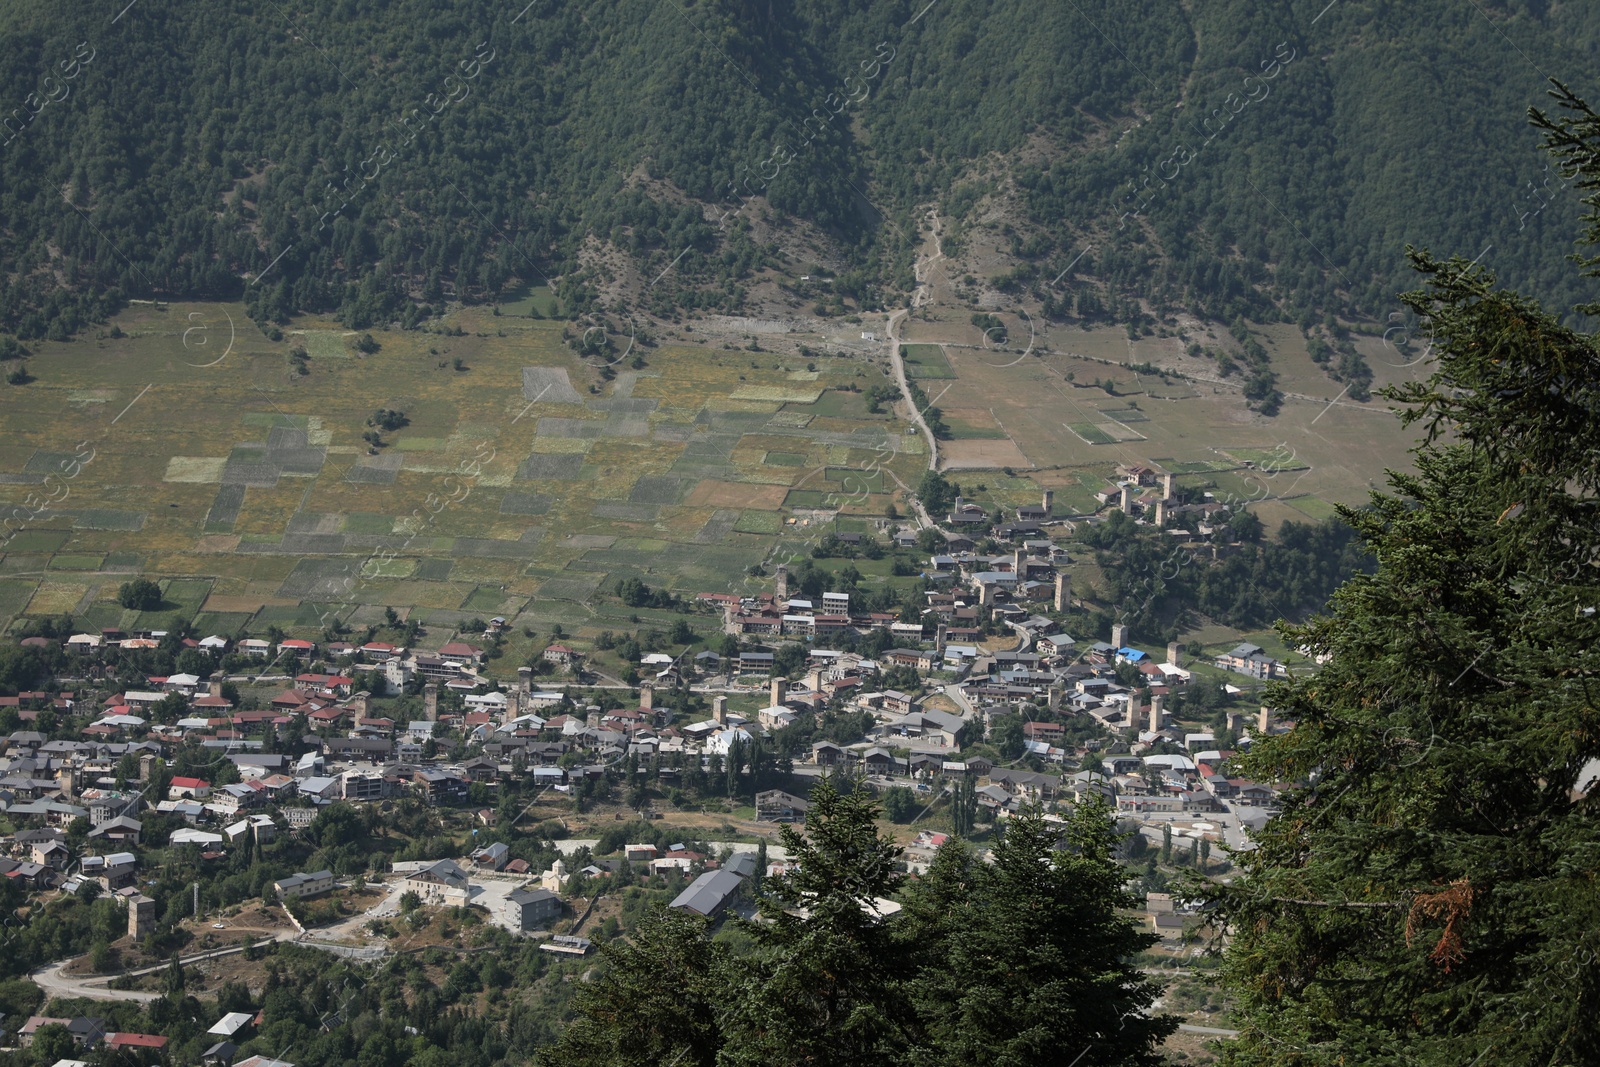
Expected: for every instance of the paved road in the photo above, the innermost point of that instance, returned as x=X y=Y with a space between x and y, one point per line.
x=56 y=984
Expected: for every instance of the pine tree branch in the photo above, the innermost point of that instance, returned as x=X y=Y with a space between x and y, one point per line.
x=1338 y=903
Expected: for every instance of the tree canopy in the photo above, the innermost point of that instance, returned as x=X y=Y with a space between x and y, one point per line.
x=1009 y=963
x=398 y=155
x=1427 y=893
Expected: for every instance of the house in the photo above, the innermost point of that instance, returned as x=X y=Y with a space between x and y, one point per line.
x=219 y=1055
x=182 y=683
x=233 y=1025
x=530 y=909
x=378 y=652
x=827 y=754
x=1252 y=660
x=135 y=1042
x=1167 y=925
x=460 y=650
x=709 y=894
x=719 y=744
x=1043 y=731
x=880 y=762
x=898 y=702
x=303 y=885
x=967 y=514
x=261 y=827
x=494 y=856
x=188 y=789
x=560 y=654
x=84 y=644
x=121 y=829
x=51 y=854
x=443 y=882
x=84 y=1031
x=440 y=787
x=112 y=871
x=774 y=805
x=233 y=798
x=755 y=663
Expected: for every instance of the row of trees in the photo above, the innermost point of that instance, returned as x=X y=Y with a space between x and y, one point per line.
x=1020 y=961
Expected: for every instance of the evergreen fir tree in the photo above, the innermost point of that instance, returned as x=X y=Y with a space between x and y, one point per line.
x=1028 y=959
x=1427 y=893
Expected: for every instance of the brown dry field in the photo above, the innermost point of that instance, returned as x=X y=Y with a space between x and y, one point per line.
x=737 y=495
x=981 y=455
x=1346 y=445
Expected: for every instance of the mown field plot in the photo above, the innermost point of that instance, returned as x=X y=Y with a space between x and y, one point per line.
x=14 y=596
x=926 y=361
x=37 y=541
x=535 y=302
x=55 y=598
x=759 y=522
x=64 y=561
x=973 y=424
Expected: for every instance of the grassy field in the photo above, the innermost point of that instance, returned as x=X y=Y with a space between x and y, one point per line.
x=1051 y=408
x=926 y=361
x=509 y=491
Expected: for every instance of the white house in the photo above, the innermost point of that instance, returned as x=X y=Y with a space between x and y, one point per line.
x=443 y=882
x=719 y=743
x=303 y=885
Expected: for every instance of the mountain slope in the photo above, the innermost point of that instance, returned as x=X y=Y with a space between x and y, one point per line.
x=400 y=153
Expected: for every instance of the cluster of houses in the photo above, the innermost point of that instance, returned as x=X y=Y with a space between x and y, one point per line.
x=89 y=1036
x=456 y=664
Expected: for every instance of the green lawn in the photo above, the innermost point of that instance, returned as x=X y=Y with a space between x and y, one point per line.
x=70 y=562
x=38 y=541
x=1090 y=433
x=758 y=522
x=926 y=361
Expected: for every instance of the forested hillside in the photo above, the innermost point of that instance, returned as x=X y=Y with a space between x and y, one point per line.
x=398 y=154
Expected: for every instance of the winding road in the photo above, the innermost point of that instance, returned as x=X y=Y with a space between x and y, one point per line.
x=55 y=983
x=919 y=297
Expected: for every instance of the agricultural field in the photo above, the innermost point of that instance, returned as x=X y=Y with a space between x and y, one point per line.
x=1074 y=403
x=524 y=481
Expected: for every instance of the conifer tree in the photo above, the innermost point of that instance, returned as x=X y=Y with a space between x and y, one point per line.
x=826 y=986
x=655 y=1003
x=1026 y=960
x=1427 y=894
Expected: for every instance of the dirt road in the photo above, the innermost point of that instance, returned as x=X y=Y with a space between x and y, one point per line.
x=921 y=295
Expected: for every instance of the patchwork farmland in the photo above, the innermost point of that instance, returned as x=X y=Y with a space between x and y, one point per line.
x=524 y=481
x=242 y=470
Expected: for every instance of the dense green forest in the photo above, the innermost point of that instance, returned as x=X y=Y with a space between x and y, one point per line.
x=1159 y=588
x=1242 y=157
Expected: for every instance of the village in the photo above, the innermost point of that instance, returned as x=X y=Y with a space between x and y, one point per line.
x=959 y=712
